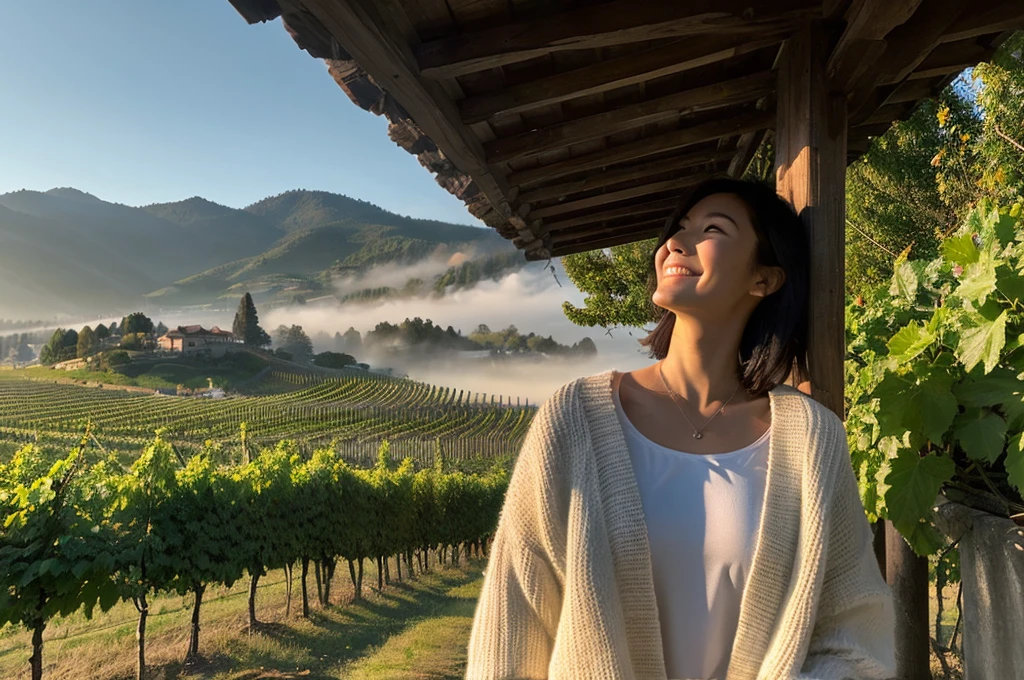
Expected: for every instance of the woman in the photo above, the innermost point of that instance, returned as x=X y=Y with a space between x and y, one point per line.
x=696 y=518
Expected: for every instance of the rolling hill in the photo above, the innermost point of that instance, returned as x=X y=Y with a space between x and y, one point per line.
x=67 y=251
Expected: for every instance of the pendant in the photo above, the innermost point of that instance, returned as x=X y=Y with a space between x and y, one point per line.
x=697 y=435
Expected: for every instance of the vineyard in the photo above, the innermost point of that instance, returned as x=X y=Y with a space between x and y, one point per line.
x=88 y=531
x=355 y=412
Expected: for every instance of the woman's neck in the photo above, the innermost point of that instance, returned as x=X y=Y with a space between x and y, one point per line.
x=702 y=364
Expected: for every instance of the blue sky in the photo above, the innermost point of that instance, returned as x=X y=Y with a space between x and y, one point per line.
x=145 y=102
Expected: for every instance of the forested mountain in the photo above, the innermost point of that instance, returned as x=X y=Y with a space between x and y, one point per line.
x=66 y=251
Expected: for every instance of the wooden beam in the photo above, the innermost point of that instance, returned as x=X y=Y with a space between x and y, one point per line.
x=910 y=43
x=631 y=69
x=745 y=149
x=998 y=16
x=726 y=93
x=951 y=58
x=612 y=23
x=862 y=41
x=907 y=45
x=389 y=61
x=913 y=91
x=580 y=235
x=611 y=177
x=615 y=196
x=810 y=171
x=705 y=132
x=584 y=245
x=660 y=206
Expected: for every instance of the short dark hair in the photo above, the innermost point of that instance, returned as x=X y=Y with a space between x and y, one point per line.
x=774 y=341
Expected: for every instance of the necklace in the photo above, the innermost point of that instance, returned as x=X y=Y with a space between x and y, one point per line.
x=675 y=399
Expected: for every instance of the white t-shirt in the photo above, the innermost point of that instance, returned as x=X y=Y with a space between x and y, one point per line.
x=702 y=514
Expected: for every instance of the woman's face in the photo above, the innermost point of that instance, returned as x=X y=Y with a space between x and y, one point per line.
x=710 y=262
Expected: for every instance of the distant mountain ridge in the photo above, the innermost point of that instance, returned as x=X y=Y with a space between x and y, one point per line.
x=67 y=251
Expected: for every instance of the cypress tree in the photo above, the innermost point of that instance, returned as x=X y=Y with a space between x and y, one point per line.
x=246 y=326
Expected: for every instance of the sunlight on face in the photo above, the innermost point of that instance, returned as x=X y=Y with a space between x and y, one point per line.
x=709 y=262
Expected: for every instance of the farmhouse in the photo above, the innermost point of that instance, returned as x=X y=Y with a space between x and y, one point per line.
x=192 y=340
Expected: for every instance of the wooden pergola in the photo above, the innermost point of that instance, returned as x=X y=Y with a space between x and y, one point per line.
x=573 y=125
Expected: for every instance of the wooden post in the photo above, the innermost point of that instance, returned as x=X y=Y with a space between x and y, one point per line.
x=810 y=172
x=907 y=575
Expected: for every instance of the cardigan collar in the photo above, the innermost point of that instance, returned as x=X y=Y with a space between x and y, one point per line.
x=772 y=562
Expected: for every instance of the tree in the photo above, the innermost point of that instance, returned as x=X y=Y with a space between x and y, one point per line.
x=87 y=343
x=160 y=329
x=136 y=322
x=295 y=342
x=246 y=326
x=585 y=347
x=62 y=345
x=102 y=332
x=334 y=360
x=20 y=353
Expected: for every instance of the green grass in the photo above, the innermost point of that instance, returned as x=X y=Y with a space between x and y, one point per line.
x=412 y=629
x=162 y=373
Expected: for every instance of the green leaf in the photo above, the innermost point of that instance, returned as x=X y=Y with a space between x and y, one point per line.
x=988 y=390
x=914 y=482
x=893 y=394
x=1010 y=284
x=978 y=281
x=904 y=282
x=982 y=343
x=910 y=341
x=960 y=250
x=981 y=433
x=932 y=407
x=1015 y=462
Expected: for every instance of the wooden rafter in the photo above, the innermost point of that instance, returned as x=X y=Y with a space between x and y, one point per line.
x=705 y=132
x=613 y=23
x=951 y=58
x=389 y=61
x=577 y=234
x=578 y=246
x=862 y=41
x=715 y=95
x=598 y=180
x=616 y=196
x=993 y=16
x=656 y=62
x=604 y=217
x=745 y=150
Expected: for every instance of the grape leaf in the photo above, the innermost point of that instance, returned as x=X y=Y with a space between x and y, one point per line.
x=932 y=407
x=904 y=282
x=979 y=280
x=914 y=482
x=910 y=341
x=960 y=250
x=1015 y=461
x=981 y=433
x=982 y=343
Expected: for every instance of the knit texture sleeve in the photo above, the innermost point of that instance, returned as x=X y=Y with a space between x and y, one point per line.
x=854 y=631
x=517 y=614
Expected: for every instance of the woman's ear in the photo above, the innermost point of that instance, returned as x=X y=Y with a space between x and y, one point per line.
x=768 y=280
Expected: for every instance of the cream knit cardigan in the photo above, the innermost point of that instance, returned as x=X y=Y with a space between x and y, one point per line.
x=568 y=589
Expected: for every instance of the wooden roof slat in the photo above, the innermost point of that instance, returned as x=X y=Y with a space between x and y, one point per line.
x=747 y=146
x=909 y=43
x=705 y=132
x=605 y=230
x=662 y=205
x=648 y=225
x=615 y=196
x=656 y=62
x=862 y=41
x=639 y=234
x=715 y=95
x=611 y=177
x=951 y=58
x=612 y=23
x=993 y=16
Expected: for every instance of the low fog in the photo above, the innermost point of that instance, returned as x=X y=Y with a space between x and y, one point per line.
x=529 y=299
